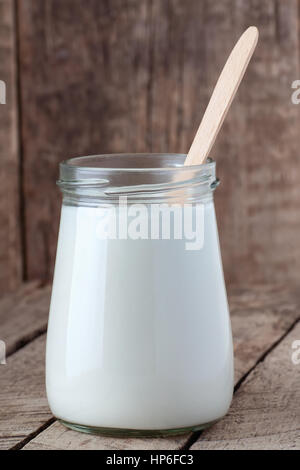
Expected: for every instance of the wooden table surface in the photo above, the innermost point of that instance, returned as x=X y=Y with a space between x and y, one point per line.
x=265 y=412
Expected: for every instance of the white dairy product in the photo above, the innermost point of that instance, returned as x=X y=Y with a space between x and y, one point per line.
x=139 y=333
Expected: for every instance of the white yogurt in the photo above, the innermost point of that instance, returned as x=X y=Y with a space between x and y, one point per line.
x=139 y=334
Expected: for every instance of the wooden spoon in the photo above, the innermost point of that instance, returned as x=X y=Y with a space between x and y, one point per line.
x=222 y=97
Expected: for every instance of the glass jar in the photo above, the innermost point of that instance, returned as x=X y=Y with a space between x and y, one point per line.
x=139 y=337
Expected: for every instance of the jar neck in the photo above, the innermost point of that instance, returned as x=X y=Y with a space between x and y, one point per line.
x=144 y=178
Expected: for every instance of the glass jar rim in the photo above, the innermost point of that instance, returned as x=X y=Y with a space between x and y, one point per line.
x=80 y=164
x=137 y=175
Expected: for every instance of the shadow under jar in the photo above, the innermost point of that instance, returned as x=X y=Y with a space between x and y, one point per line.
x=139 y=337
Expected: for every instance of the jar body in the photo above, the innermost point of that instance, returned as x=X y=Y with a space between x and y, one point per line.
x=139 y=337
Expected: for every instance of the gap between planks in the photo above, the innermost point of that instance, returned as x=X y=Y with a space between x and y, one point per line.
x=23 y=315
x=66 y=438
x=261 y=317
x=269 y=312
x=265 y=414
x=197 y=435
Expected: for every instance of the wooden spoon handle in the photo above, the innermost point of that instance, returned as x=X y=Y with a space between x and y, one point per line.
x=222 y=97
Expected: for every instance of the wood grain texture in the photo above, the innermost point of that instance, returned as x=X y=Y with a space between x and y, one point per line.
x=24 y=408
x=260 y=317
x=85 y=83
x=258 y=151
x=23 y=403
x=23 y=315
x=136 y=75
x=10 y=247
x=265 y=413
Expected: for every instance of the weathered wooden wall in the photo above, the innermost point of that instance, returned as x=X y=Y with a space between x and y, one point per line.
x=10 y=225
x=102 y=76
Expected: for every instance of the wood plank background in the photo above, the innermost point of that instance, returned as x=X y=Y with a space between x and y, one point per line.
x=11 y=258
x=96 y=76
